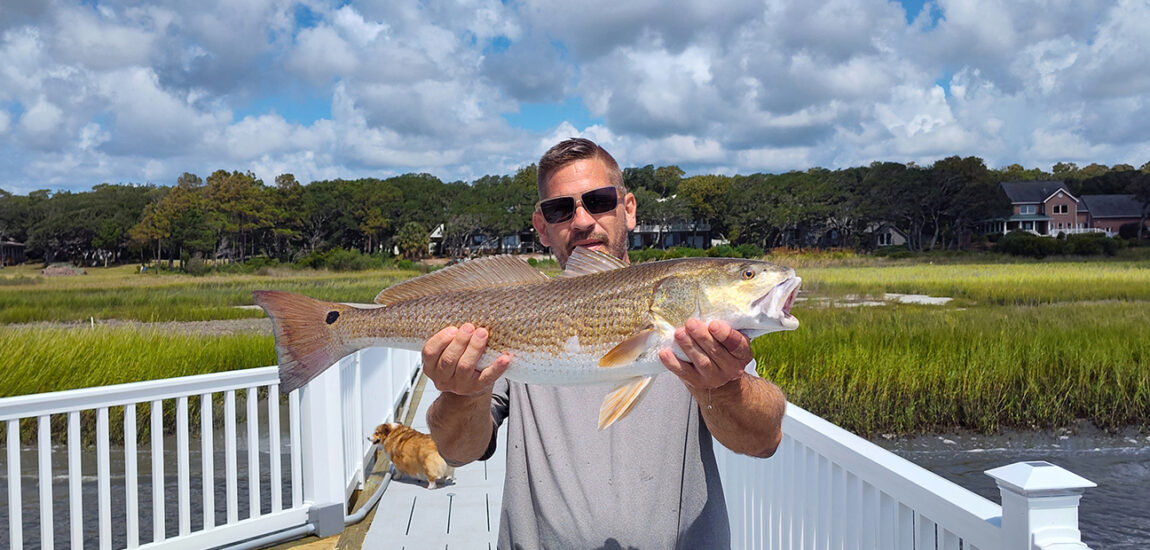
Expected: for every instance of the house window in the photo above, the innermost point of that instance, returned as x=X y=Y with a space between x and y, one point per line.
x=1026 y=209
x=884 y=239
x=1061 y=209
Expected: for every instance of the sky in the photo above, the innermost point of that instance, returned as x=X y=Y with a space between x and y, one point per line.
x=116 y=92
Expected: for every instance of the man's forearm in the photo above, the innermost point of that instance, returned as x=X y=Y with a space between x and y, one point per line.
x=745 y=414
x=461 y=426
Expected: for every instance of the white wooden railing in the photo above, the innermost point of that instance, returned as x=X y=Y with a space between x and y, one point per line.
x=824 y=488
x=326 y=441
x=828 y=488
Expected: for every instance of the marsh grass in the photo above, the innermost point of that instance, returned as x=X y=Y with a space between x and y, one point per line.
x=151 y=298
x=903 y=369
x=39 y=360
x=988 y=284
x=1025 y=344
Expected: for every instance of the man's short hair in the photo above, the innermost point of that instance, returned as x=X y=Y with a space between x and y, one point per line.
x=570 y=150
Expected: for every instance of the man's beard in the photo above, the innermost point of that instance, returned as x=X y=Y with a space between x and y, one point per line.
x=616 y=247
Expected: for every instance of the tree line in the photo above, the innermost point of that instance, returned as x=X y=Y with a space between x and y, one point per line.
x=234 y=216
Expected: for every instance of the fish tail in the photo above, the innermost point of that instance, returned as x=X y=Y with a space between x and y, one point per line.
x=307 y=342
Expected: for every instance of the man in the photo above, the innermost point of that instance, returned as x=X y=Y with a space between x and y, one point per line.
x=649 y=481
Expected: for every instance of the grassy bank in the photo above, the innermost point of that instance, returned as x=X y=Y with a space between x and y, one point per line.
x=120 y=294
x=45 y=359
x=906 y=369
x=1024 y=344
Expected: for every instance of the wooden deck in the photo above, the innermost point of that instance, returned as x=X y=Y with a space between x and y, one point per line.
x=463 y=514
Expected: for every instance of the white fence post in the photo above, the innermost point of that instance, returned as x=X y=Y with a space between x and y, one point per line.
x=321 y=416
x=1040 y=506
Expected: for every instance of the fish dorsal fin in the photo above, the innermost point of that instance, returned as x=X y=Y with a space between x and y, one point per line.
x=475 y=274
x=584 y=261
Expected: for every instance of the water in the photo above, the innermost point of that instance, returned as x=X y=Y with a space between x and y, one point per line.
x=1113 y=516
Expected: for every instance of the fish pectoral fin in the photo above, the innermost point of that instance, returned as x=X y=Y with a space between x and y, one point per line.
x=622 y=399
x=629 y=350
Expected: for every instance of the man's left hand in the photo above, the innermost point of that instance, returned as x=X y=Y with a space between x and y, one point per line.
x=716 y=353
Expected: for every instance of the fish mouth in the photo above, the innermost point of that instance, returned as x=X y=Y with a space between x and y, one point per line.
x=780 y=299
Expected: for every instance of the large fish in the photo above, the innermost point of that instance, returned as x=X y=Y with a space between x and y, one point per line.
x=599 y=321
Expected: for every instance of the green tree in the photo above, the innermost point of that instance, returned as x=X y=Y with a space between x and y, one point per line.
x=412 y=240
x=243 y=207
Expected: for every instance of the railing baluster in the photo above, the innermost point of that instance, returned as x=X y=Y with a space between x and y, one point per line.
x=851 y=530
x=811 y=496
x=75 y=490
x=131 y=477
x=104 y=477
x=275 y=474
x=296 y=449
x=44 y=444
x=868 y=538
x=887 y=527
x=230 y=455
x=15 y=520
x=838 y=506
x=253 y=453
x=950 y=541
x=157 y=423
x=207 y=461
x=183 y=476
x=905 y=522
x=826 y=497
x=924 y=533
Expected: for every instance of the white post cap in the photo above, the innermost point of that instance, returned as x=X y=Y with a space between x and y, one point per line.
x=1039 y=478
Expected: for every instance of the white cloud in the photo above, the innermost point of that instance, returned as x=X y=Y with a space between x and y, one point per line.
x=96 y=42
x=122 y=92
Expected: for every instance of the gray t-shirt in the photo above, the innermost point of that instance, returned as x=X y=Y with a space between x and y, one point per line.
x=647 y=482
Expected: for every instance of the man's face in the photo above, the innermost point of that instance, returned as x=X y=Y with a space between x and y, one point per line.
x=606 y=232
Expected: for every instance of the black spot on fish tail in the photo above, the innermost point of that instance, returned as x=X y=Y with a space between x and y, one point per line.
x=332 y=316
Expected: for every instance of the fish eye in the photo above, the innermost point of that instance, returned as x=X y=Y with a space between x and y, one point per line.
x=748 y=273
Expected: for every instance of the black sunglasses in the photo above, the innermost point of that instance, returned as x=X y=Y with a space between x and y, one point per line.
x=596 y=201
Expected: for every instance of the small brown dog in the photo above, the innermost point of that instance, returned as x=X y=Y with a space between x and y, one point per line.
x=413 y=453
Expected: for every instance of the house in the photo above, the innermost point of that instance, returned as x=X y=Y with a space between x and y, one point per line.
x=1041 y=207
x=1110 y=212
x=691 y=234
x=884 y=234
x=1046 y=208
x=11 y=253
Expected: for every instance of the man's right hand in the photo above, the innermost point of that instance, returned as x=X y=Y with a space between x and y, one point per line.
x=451 y=360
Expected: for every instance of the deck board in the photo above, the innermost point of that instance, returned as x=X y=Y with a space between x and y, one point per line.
x=462 y=514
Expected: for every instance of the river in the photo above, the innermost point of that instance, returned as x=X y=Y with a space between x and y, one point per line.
x=1113 y=516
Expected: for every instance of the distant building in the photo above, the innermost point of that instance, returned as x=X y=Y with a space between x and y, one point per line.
x=1047 y=208
x=884 y=234
x=691 y=234
x=11 y=253
x=1110 y=212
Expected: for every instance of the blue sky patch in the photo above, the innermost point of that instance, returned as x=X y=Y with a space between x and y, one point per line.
x=541 y=117
x=295 y=107
x=914 y=7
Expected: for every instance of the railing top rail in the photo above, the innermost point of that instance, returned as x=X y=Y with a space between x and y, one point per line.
x=929 y=493
x=24 y=406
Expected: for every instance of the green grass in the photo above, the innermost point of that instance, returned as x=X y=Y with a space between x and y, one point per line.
x=123 y=295
x=1025 y=344
x=988 y=284
x=52 y=359
x=904 y=369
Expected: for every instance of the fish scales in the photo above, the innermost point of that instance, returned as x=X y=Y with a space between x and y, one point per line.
x=599 y=309
x=600 y=322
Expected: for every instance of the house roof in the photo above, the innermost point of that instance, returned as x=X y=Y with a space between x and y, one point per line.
x=1025 y=192
x=1113 y=206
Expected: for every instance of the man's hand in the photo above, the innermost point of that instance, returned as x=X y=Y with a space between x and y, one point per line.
x=717 y=354
x=451 y=358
